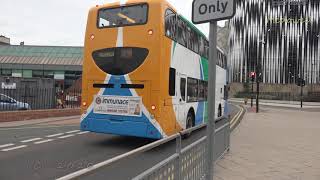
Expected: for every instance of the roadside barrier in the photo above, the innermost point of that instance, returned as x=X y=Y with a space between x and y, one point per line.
x=38 y=99
x=190 y=162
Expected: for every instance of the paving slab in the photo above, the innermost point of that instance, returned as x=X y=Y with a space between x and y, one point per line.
x=277 y=144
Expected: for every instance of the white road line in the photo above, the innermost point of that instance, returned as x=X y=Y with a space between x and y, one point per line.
x=30 y=140
x=6 y=145
x=55 y=135
x=44 y=141
x=73 y=131
x=14 y=148
x=84 y=132
x=62 y=137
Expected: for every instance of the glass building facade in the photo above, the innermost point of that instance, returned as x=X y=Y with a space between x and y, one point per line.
x=282 y=36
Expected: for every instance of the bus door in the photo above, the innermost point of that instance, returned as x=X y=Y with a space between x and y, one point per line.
x=182 y=97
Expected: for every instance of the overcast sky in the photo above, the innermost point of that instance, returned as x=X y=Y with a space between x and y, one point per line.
x=56 y=22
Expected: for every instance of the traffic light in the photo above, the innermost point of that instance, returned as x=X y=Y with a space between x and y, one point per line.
x=300 y=82
x=253 y=76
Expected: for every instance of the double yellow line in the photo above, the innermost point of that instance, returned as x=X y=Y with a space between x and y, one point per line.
x=236 y=118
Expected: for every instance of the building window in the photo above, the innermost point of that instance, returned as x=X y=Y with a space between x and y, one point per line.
x=48 y=74
x=27 y=73
x=37 y=73
x=6 y=72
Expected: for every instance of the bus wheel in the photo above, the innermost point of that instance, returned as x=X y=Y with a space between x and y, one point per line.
x=189 y=124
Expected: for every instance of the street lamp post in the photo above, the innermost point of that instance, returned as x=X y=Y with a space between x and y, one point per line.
x=259 y=74
x=301 y=80
x=301 y=85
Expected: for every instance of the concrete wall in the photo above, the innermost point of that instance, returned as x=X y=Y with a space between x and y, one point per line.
x=283 y=91
x=36 y=114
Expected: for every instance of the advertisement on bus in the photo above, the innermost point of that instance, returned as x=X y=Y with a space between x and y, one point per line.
x=118 y=105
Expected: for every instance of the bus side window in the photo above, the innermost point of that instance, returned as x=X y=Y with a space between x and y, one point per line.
x=183 y=88
x=226 y=92
x=201 y=90
x=170 y=24
x=181 y=32
x=192 y=90
x=205 y=90
x=172 y=82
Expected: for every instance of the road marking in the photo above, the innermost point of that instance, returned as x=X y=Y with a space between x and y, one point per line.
x=73 y=131
x=30 y=140
x=237 y=117
x=6 y=145
x=84 y=132
x=55 y=135
x=14 y=148
x=62 y=137
x=44 y=141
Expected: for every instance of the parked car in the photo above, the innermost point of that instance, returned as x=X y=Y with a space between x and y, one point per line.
x=9 y=104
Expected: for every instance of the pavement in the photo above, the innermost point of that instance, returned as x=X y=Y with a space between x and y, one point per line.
x=276 y=144
x=277 y=103
x=39 y=121
x=52 y=148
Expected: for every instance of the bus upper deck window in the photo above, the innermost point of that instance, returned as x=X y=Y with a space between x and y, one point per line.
x=123 y=16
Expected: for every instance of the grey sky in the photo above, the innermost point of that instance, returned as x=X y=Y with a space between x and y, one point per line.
x=56 y=22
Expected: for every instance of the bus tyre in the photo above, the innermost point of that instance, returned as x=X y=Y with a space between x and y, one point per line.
x=189 y=124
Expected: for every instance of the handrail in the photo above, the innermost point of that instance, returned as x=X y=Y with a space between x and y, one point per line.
x=91 y=169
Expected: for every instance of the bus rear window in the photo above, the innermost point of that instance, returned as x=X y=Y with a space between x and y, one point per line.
x=123 y=16
x=121 y=60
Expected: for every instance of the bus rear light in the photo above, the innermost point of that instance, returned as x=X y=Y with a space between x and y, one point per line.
x=92 y=37
x=153 y=107
x=84 y=104
x=150 y=32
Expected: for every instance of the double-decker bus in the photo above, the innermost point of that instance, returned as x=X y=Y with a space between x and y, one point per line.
x=145 y=71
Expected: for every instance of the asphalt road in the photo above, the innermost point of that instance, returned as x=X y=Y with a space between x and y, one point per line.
x=49 y=151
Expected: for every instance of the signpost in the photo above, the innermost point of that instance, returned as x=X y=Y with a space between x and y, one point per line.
x=301 y=83
x=204 y=11
x=253 y=76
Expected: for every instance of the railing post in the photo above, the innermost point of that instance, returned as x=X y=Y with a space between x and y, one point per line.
x=229 y=133
x=178 y=151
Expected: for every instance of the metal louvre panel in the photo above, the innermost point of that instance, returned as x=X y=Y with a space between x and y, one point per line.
x=281 y=25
